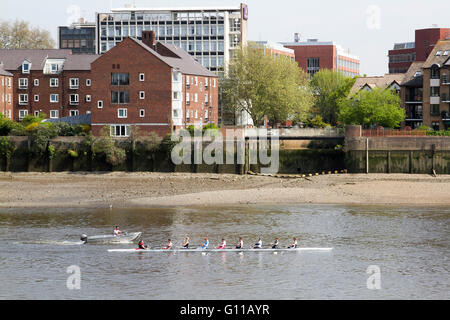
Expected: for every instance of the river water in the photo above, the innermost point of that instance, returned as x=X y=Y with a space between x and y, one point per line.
x=410 y=246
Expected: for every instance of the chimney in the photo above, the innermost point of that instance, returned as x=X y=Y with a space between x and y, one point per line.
x=149 y=39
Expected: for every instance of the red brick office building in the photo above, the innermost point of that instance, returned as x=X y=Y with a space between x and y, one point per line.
x=154 y=86
x=404 y=54
x=6 y=93
x=53 y=82
x=313 y=55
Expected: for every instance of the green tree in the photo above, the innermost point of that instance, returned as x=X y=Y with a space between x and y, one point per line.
x=19 y=35
x=263 y=85
x=330 y=87
x=377 y=107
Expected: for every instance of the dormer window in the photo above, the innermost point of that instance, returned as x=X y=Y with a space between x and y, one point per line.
x=54 y=67
x=417 y=74
x=26 y=66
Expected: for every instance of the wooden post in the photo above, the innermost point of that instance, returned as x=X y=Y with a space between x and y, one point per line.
x=410 y=162
x=389 y=162
x=367 y=155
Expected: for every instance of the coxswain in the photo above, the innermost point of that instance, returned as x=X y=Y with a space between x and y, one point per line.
x=117 y=232
x=223 y=245
x=141 y=245
x=240 y=244
x=293 y=244
x=169 y=245
x=185 y=244
x=206 y=244
x=275 y=244
x=258 y=245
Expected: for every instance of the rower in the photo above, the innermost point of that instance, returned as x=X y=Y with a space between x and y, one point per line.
x=240 y=244
x=169 y=245
x=258 y=245
x=141 y=245
x=275 y=244
x=117 y=232
x=185 y=244
x=293 y=244
x=223 y=245
x=206 y=244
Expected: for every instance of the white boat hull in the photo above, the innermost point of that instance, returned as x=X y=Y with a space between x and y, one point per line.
x=126 y=238
x=220 y=250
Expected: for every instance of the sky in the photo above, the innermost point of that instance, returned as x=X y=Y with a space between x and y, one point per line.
x=367 y=28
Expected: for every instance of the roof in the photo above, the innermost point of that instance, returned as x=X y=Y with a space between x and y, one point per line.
x=4 y=73
x=166 y=9
x=411 y=78
x=382 y=82
x=13 y=58
x=186 y=64
x=442 y=45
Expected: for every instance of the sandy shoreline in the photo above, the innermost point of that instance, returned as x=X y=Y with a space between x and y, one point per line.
x=89 y=190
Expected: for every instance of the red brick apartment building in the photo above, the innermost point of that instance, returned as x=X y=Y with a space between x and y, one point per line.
x=155 y=86
x=53 y=82
x=6 y=92
x=404 y=54
x=158 y=87
x=312 y=55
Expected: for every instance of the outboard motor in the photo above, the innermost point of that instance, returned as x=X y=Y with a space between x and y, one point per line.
x=84 y=238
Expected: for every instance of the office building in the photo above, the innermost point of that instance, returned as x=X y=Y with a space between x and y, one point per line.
x=79 y=37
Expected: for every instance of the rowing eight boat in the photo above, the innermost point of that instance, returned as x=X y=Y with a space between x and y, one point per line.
x=221 y=250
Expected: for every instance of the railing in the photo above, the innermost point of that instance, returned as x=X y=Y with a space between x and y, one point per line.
x=381 y=132
x=414 y=116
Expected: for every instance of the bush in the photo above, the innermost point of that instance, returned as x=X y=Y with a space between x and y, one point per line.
x=7 y=147
x=106 y=147
x=6 y=125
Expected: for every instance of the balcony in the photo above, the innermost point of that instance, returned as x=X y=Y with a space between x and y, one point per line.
x=414 y=116
x=445 y=116
x=413 y=99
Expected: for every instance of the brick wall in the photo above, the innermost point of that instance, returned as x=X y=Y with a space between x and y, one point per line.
x=6 y=91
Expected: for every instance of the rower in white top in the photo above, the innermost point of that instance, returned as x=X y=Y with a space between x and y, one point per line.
x=258 y=245
x=223 y=245
x=293 y=244
x=240 y=244
x=169 y=245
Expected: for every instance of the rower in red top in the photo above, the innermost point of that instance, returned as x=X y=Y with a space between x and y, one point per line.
x=141 y=245
x=223 y=245
x=169 y=245
x=117 y=232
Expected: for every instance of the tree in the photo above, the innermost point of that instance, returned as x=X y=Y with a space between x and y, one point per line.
x=330 y=87
x=377 y=107
x=19 y=35
x=263 y=85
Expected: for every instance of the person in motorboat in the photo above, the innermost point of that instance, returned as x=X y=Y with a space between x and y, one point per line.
x=258 y=245
x=206 y=244
x=185 y=244
x=293 y=245
x=169 y=245
x=275 y=244
x=141 y=245
x=117 y=232
x=223 y=245
x=240 y=244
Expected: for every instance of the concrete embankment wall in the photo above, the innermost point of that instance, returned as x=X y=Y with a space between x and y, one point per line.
x=407 y=154
x=141 y=159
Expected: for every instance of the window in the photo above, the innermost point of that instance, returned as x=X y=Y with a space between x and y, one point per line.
x=88 y=82
x=120 y=97
x=175 y=113
x=176 y=76
x=313 y=65
x=438 y=53
x=187 y=115
x=435 y=74
x=142 y=113
x=54 y=68
x=36 y=113
x=74 y=99
x=23 y=83
x=74 y=83
x=54 y=114
x=74 y=113
x=23 y=99
x=176 y=95
x=435 y=126
x=36 y=98
x=206 y=99
x=9 y=82
x=188 y=102
x=54 y=98
x=196 y=97
x=434 y=109
x=120 y=79
x=53 y=82
x=36 y=82
x=141 y=77
x=22 y=114
x=206 y=83
x=434 y=91
x=88 y=98
x=188 y=84
x=196 y=81
x=214 y=83
x=120 y=130
x=206 y=114
x=142 y=95
x=122 y=113
x=25 y=67
x=100 y=104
